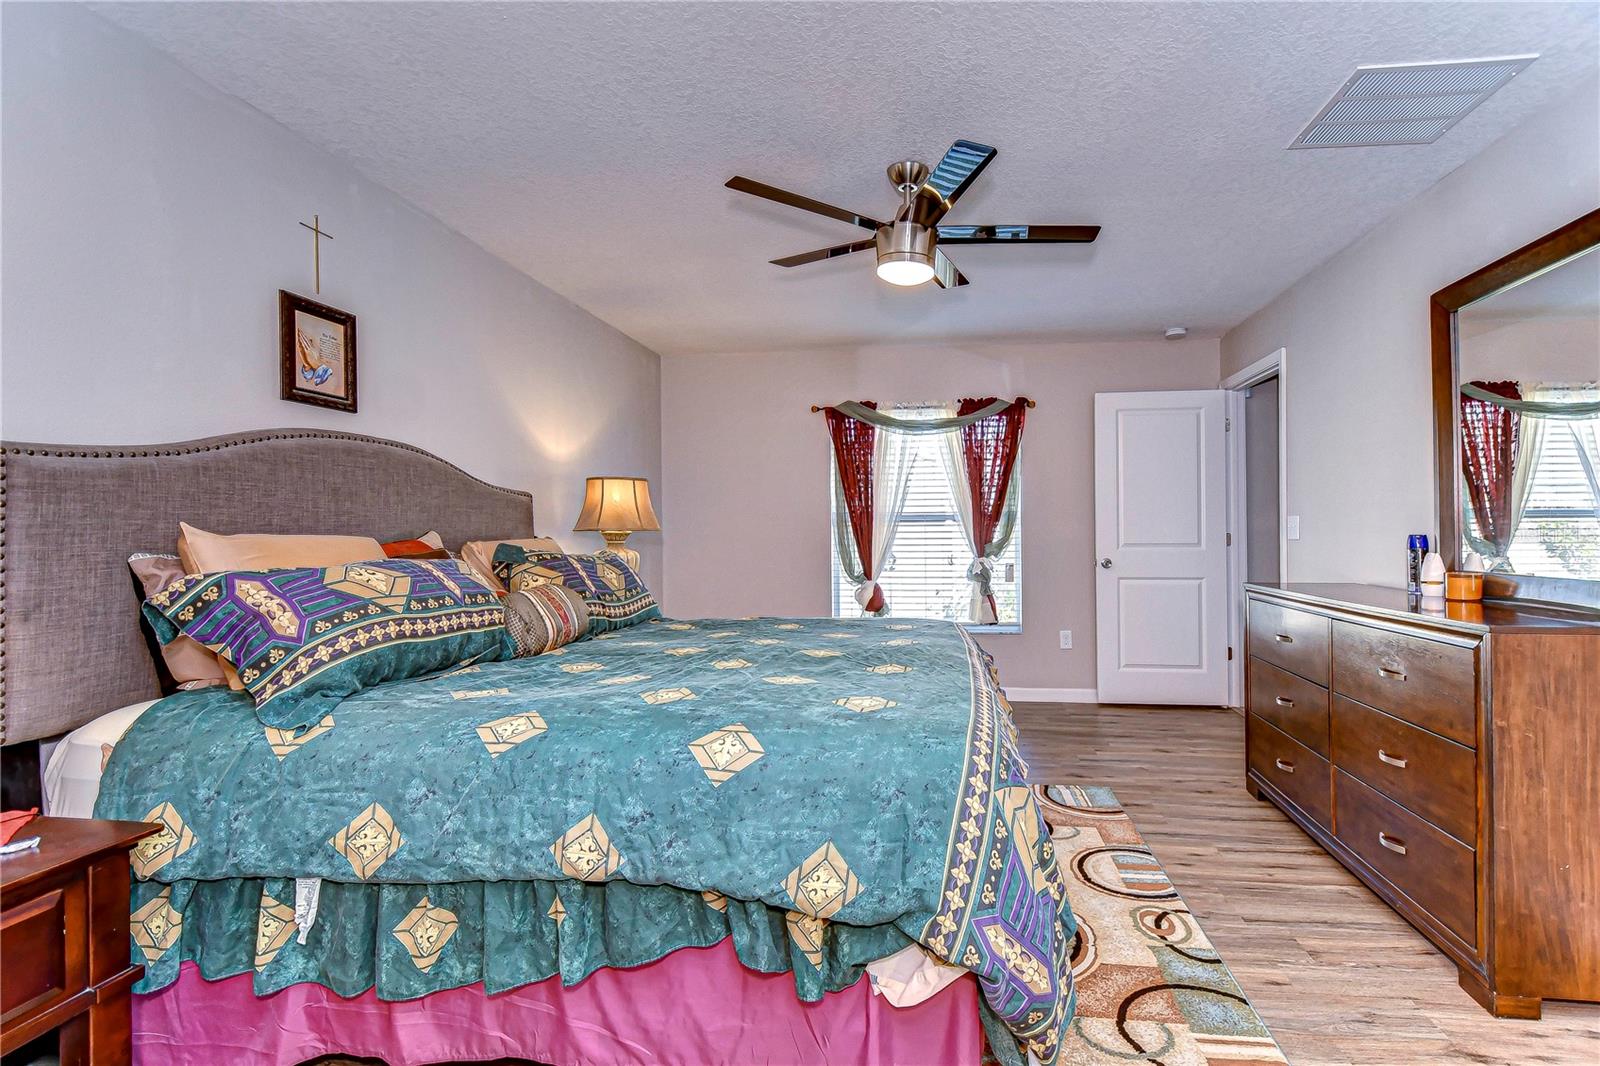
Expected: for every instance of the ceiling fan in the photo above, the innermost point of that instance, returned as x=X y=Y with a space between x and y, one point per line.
x=908 y=247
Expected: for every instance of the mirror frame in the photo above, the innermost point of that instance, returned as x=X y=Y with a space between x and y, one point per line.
x=1531 y=260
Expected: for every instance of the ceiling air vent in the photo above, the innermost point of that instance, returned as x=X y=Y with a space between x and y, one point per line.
x=1406 y=103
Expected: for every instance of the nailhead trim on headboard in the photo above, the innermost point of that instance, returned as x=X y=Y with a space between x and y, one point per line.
x=180 y=448
x=217 y=444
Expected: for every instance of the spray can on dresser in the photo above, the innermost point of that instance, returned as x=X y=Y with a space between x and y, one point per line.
x=1416 y=551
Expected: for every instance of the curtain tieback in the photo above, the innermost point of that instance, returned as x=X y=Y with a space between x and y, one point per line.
x=865 y=592
x=981 y=573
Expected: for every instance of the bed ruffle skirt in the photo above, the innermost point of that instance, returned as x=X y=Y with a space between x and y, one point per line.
x=404 y=941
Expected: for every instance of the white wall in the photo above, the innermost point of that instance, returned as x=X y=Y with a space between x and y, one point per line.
x=148 y=224
x=1358 y=394
x=746 y=464
x=1555 y=348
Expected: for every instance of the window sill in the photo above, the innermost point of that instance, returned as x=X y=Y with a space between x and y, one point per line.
x=976 y=629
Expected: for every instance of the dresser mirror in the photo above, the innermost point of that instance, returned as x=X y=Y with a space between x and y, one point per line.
x=1516 y=379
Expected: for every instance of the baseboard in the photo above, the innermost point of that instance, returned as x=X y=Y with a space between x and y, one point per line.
x=1051 y=695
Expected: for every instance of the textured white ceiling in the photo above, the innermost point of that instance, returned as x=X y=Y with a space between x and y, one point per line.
x=587 y=143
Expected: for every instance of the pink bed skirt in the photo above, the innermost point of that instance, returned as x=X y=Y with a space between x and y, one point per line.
x=696 y=1006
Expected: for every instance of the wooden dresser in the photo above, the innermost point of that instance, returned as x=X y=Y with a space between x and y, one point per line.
x=1450 y=760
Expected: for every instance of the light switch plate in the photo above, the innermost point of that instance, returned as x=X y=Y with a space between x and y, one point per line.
x=1291 y=526
x=1066 y=640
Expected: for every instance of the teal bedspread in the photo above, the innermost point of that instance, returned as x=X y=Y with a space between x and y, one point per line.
x=824 y=792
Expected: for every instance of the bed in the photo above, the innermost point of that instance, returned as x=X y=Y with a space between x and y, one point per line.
x=727 y=807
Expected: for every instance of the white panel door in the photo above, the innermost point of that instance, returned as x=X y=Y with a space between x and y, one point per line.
x=1161 y=562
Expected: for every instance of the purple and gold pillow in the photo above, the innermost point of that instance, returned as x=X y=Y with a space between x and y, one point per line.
x=304 y=638
x=611 y=589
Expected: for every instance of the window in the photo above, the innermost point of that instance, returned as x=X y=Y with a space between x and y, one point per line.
x=1559 y=535
x=926 y=573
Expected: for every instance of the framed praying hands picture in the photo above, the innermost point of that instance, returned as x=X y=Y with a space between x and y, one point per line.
x=317 y=350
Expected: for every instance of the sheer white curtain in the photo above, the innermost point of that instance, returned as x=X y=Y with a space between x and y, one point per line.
x=1530 y=442
x=955 y=468
x=892 y=459
x=1588 y=437
x=1585 y=434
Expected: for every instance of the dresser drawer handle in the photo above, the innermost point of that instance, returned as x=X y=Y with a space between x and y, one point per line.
x=1396 y=846
x=1393 y=675
x=1283 y=638
x=1284 y=701
x=1384 y=756
x=1286 y=767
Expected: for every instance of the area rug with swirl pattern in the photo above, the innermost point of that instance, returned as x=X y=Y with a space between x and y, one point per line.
x=1151 y=988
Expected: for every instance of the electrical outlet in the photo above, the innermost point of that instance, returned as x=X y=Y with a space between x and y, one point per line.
x=1291 y=526
x=1066 y=640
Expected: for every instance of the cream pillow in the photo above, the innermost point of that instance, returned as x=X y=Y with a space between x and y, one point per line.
x=479 y=554
x=211 y=553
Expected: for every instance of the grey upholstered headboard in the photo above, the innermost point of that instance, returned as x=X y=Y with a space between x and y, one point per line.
x=71 y=642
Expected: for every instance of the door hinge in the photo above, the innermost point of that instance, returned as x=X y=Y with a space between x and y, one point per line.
x=1227 y=425
x=1229 y=544
x=1230 y=655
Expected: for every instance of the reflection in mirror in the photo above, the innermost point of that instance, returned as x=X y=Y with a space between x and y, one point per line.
x=1529 y=416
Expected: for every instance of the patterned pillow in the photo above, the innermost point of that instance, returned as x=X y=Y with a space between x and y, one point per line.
x=611 y=589
x=545 y=616
x=306 y=637
x=479 y=554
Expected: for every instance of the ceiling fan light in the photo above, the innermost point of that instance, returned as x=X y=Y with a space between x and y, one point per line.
x=905 y=271
x=905 y=253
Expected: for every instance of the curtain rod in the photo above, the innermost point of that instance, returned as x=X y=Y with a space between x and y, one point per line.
x=815 y=408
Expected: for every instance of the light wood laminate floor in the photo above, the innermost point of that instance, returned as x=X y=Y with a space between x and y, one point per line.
x=1338 y=976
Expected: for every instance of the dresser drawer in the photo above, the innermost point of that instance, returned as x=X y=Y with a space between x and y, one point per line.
x=1292 y=639
x=1292 y=768
x=1424 y=773
x=1433 y=869
x=1427 y=682
x=32 y=933
x=1291 y=703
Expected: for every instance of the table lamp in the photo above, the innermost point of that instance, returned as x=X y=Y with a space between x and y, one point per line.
x=615 y=507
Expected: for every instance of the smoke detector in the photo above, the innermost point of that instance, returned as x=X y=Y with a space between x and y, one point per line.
x=1406 y=103
x=1176 y=333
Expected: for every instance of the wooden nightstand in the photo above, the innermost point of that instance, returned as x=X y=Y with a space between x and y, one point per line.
x=64 y=931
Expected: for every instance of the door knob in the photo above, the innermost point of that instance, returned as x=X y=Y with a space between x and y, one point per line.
x=1105 y=564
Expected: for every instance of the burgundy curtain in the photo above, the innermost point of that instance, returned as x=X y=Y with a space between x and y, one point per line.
x=853 y=442
x=990 y=446
x=1488 y=458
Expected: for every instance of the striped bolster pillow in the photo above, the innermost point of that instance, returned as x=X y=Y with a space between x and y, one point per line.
x=543 y=617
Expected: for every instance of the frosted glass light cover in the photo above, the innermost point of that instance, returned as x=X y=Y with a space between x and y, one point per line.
x=905 y=272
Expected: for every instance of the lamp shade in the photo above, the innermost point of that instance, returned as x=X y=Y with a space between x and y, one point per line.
x=617 y=503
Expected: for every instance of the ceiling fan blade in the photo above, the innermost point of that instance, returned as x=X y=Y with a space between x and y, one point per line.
x=804 y=203
x=823 y=253
x=1017 y=234
x=959 y=168
x=945 y=273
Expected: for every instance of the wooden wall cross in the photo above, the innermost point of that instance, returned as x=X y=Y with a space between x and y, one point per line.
x=315 y=226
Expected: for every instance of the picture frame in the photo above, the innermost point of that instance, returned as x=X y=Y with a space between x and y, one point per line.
x=317 y=353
